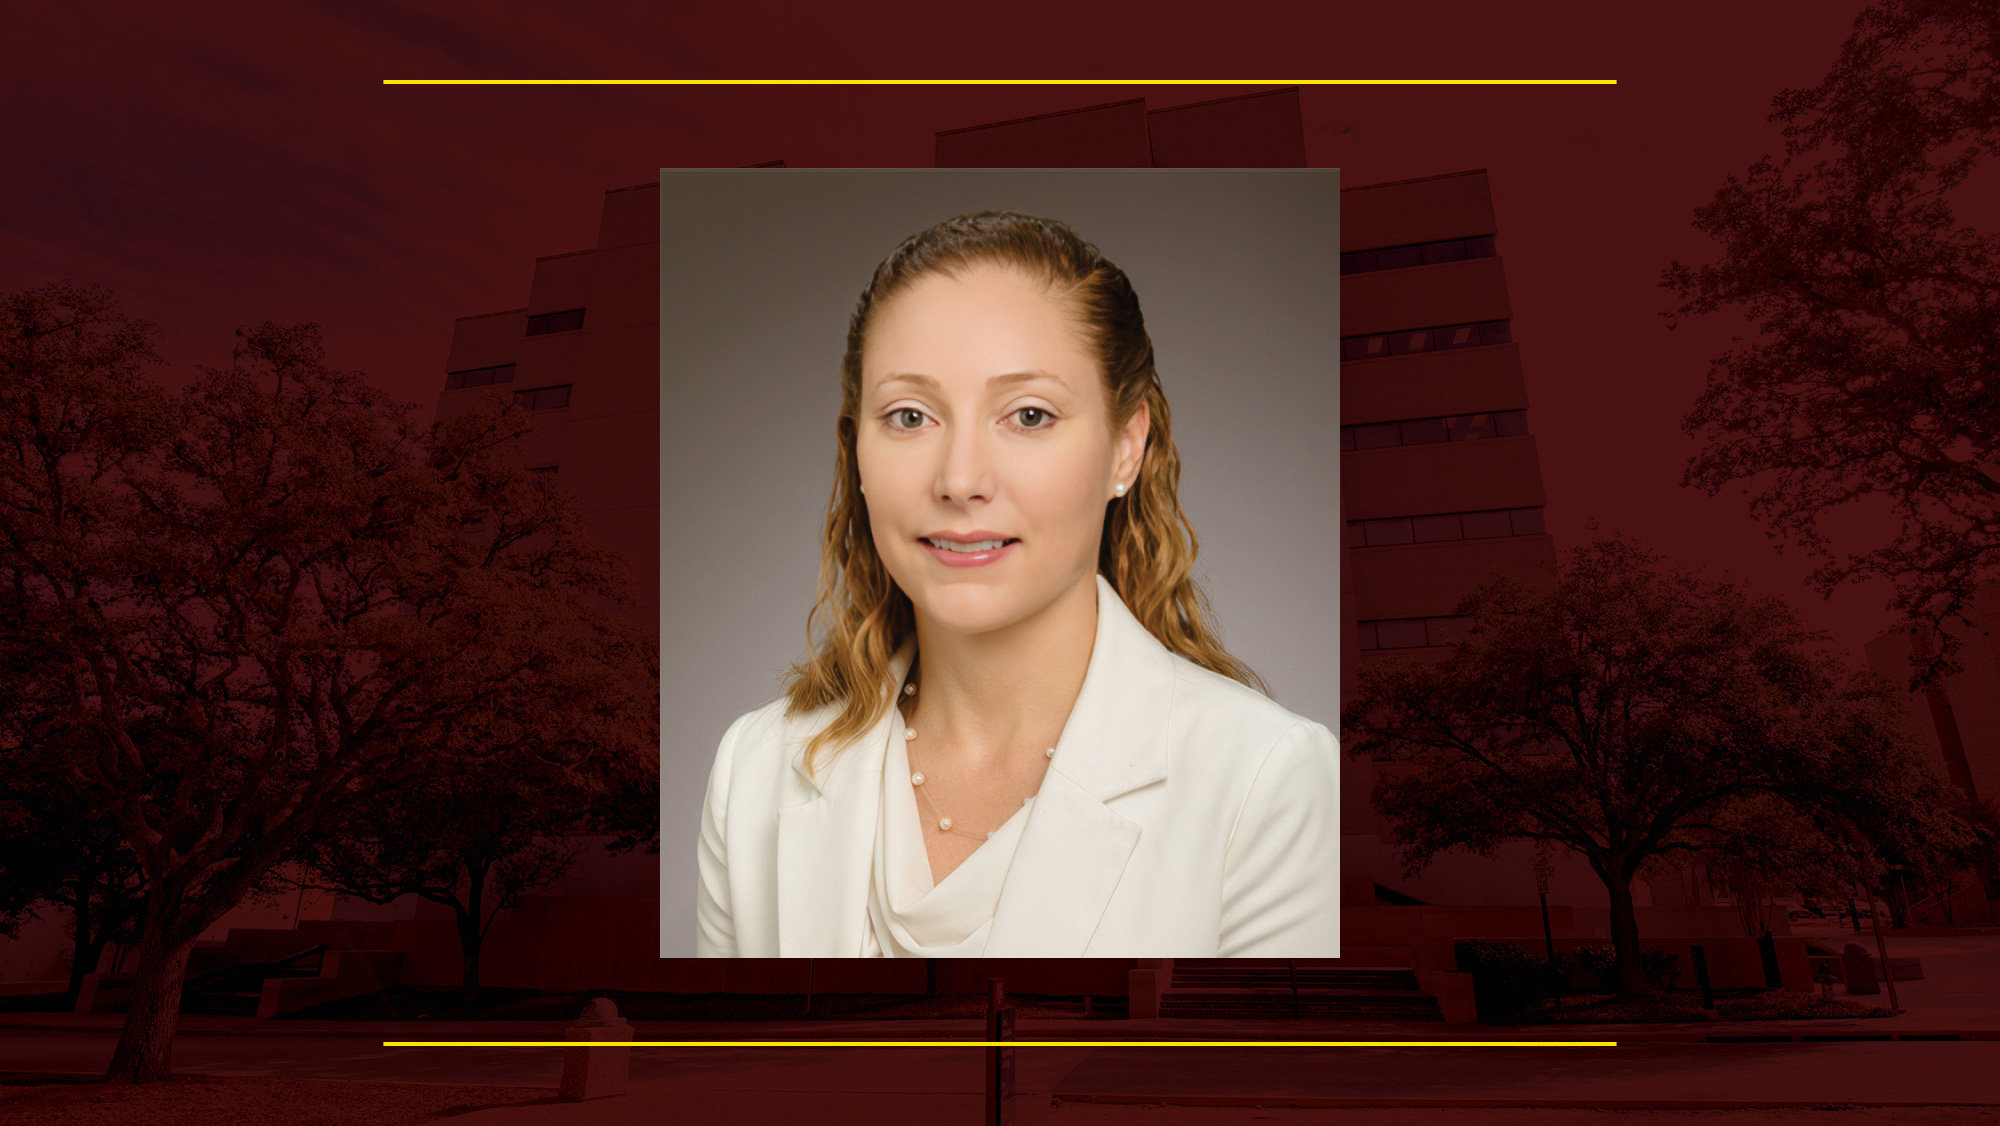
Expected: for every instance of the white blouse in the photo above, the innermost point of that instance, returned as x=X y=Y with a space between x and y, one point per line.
x=910 y=916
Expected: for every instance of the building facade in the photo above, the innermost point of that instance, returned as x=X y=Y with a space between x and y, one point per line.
x=1957 y=718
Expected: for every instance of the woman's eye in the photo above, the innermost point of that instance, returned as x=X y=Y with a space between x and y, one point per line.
x=1032 y=417
x=907 y=418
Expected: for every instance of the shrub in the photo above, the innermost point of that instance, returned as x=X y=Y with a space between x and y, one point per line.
x=1661 y=967
x=1508 y=980
x=1601 y=961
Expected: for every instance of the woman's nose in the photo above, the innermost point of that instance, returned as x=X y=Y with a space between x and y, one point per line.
x=967 y=472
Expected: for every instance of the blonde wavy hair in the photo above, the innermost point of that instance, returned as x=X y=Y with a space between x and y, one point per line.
x=1148 y=549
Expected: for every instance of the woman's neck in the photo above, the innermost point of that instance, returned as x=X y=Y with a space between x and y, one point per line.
x=987 y=695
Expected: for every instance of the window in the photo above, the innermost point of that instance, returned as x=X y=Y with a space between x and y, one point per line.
x=543 y=398
x=1383 y=533
x=1487 y=525
x=569 y=320
x=1443 y=526
x=1401 y=633
x=1398 y=257
x=479 y=377
x=1496 y=424
x=1378 y=436
x=1422 y=431
x=1432 y=529
x=1458 y=336
x=1413 y=633
x=1417 y=254
x=1436 y=252
x=1405 y=341
x=1430 y=431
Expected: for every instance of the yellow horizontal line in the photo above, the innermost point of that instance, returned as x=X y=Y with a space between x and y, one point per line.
x=999 y=1043
x=999 y=82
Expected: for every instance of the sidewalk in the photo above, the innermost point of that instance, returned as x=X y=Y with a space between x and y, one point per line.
x=1958 y=997
x=1962 y=1024
x=666 y=1083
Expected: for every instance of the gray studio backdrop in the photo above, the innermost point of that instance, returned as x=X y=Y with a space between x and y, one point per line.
x=1237 y=272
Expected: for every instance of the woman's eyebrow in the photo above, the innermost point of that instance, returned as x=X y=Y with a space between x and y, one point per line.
x=1006 y=380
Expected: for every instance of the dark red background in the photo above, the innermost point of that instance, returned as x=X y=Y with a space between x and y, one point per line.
x=247 y=164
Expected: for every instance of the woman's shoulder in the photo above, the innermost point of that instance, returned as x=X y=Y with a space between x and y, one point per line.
x=771 y=730
x=1209 y=707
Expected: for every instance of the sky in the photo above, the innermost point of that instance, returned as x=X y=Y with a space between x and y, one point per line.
x=248 y=164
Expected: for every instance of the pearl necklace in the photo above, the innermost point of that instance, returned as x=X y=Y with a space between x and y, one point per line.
x=917 y=779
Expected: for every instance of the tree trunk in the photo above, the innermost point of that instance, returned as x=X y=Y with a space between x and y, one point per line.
x=145 y=1047
x=83 y=955
x=469 y=937
x=468 y=981
x=1631 y=972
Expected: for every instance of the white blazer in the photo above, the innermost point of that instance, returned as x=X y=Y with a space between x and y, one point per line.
x=1183 y=815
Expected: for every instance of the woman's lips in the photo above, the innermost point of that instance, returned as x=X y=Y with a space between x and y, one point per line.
x=952 y=558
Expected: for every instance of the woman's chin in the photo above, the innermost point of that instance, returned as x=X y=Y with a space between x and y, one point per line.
x=971 y=607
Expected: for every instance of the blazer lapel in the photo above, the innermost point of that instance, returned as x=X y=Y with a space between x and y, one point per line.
x=826 y=841
x=1074 y=847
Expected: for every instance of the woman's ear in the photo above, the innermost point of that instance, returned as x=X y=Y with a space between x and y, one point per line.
x=1130 y=446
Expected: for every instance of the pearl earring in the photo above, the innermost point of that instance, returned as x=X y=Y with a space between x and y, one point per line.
x=1119 y=489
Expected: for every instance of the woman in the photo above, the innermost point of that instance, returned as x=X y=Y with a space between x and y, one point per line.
x=1018 y=735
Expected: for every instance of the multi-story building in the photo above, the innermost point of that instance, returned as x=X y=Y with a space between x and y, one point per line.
x=1957 y=718
x=1441 y=487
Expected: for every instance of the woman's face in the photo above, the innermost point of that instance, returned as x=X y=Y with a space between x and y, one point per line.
x=985 y=447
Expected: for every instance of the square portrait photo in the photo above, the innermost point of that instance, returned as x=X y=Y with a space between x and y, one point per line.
x=999 y=583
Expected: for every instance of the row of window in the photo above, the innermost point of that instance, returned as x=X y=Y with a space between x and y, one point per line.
x=1490 y=524
x=1428 y=431
x=543 y=398
x=1417 y=254
x=534 y=399
x=479 y=377
x=1413 y=633
x=569 y=320
x=1403 y=342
